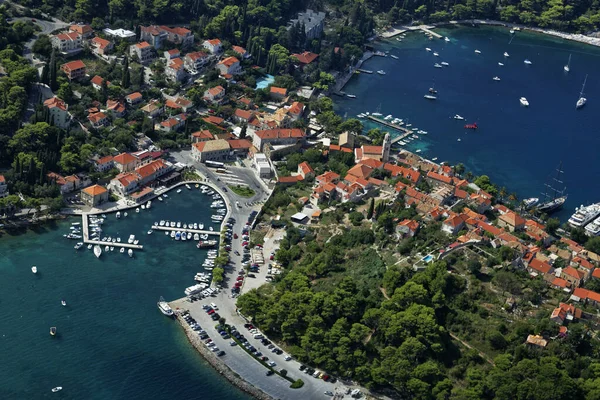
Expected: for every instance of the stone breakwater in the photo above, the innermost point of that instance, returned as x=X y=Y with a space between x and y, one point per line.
x=220 y=365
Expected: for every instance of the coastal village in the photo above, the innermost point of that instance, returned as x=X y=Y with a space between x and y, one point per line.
x=186 y=110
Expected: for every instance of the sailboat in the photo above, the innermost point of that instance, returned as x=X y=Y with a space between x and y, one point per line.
x=567 y=67
x=582 y=100
x=558 y=198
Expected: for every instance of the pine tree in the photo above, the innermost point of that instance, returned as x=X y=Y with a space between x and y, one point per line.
x=104 y=91
x=371 y=209
x=140 y=81
x=138 y=32
x=125 y=78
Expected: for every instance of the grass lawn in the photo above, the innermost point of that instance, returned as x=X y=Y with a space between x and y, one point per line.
x=243 y=191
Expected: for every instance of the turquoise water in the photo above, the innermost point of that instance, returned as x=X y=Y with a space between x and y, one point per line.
x=264 y=82
x=112 y=341
x=517 y=147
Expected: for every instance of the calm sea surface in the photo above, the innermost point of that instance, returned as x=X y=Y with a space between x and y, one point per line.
x=112 y=341
x=517 y=147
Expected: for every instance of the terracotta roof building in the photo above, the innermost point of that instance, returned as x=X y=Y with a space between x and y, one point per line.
x=306 y=57
x=74 y=69
x=94 y=195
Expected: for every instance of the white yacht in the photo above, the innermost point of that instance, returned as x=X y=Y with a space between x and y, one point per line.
x=188 y=187
x=506 y=54
x=162 y=222
x=97 y=251
x=427 y=48
x=143 y=207
x=148 y=204
x=64 y=303
x=436 y=65
x=527 y=62
x=130 y=253
x=477 y=52
x=56 y=389
x=172 y=234
x=381 y=72
x=131 y=239
x=567 y=67
x=179 y=224
x=445 y=64
x=34 y=269
x=394 y=57
x=150 y=232
x=78 y=245
x=582 y=100
x=164 y=307
x=496 y=78
x=118 y=214
x=137 y=210
x=446 y=39
x=430 y=97
x=125 y=214
x=524 y=102
x=530 y=202
x=160 y=198
x=178 y=190
x=458 y=117
x=593 y=228
x=501 y=64
x=122 y=250
x=583 y=215
x=436 y=54
x=106 y=249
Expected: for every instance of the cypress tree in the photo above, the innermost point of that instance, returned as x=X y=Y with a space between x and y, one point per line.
x=140 y=81
x=52 y=74
x=371 y=209
x=45 y=74
x=125 y=78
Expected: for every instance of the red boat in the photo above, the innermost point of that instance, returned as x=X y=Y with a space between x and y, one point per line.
x=471 y=126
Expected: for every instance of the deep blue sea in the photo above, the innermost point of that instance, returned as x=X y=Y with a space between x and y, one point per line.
x=112 y=341
x=518 y=147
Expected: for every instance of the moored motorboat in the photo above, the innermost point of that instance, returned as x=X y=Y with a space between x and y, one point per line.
x=501 y=64
x=527 y=62
x=118 y=214
x=524 y=102
x=97 y=251
x=445 y=64
x=130 y=253
x=164 y=307
x=53 y=330
x=458 y=117
x=34 y=269
x=150 y=232
x=56 y=389
x=477 y=52
x=122 y=250
x=436 y=65
x=496 y=78
x=530 y=202
x=506 y=54
x=64 y=303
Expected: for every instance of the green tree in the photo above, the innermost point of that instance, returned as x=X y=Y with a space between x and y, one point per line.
x=371 y=209
x=125 y=76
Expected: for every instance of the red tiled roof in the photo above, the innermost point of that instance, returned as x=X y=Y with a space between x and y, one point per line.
x=575 y=273
x=238 y=49
x=196 y=55
x=306 y=57
x=124 y=159
x=229 y=61
x=243 y=114
x=278 y=90
x=280 y=133
x=73 y=65
x=203 y=134
x=2 y=179
x=296 y=108
x=596 y=273
x=104 y=160
x=211 y=119
x=146 y=170
x=102 y=43
x=176 y=64
x=172 y=52
x=127 y=178
x=512 y=218
x=560 y=282
x=178 y=30
x=216 y=90
x=583 y=263
x=360 y=171
x=214 y=42
x=142 y=45
x=328 y=176
x=55 y=102
x=239 y=144
x=95 y=190
x=96 y=117
x=306 y=168
x=539 y=266
x=455 y=220
x=288 y=179
x=371 y=162
x=82 y=29
x=372 y=150
x=134 y=96
x=410 y=224
x=439 y=177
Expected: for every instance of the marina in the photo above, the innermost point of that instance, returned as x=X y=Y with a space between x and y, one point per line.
x=186 y=230
x=405 y=131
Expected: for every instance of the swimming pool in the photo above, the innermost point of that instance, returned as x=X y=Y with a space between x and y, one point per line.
x=428 y=258
x=262 y=83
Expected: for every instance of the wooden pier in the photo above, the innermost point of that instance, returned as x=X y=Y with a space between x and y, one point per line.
x=114 y=244
x=186 y=230
x=427 y=30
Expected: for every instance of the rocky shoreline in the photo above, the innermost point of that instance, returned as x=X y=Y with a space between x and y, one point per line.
x=220 y=366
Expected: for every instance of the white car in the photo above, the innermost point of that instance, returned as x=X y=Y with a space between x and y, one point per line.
x=287 y=358
x=272 y=363
x=214 y=306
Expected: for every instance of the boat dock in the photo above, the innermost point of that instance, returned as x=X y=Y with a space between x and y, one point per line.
x=87 y=240
x=186 y=230
x=427 y=30
x=405 y=131
x=364 y=71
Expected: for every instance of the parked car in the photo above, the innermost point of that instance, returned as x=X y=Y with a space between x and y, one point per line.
x=270 y=372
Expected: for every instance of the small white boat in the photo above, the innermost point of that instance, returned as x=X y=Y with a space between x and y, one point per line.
x=64 y=303
x=56 y=389
x=125 y=214
x=189 y=236
x=524 y=102
x=143 y=207
x=477 y=52
x=148 y=204
x=446 y=39
x=512 y=31
x=34 y=269
x=90 y=246
x=419 y=150
x=381 y=72
x=458 y=140
x=53 y=333
x=137 y=210
x=527 y=62
x=352 y=96
x=131 y=239
x=122 y=250
x=444 y=63
x=136 y=241
x=427 y=48
x=130 y=252
x=160 y=198
x=496 y=78
x=178 y=190
x=112 y=248
x=150 y=232
x=118 y=214
x=567 y=67
x=195 y=225
x=179 y=224
x=434 y=159
x=162 y=222
x=458 y=117
x=394 y=57
x=506 y=54
x=118 y=240
x=436 y=54
x=103 y=215
x=107 y=249
x=196 y=237
x=167 y=233
x=164 y=307
x=172 y=234
x=97 y=251
x=436 y=65
x=500 y=64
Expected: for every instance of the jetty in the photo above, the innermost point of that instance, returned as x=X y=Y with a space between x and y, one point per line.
x=405 y=131
x=186 y=230
x=397 y=31
x=87 y=240
x=427 y=30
